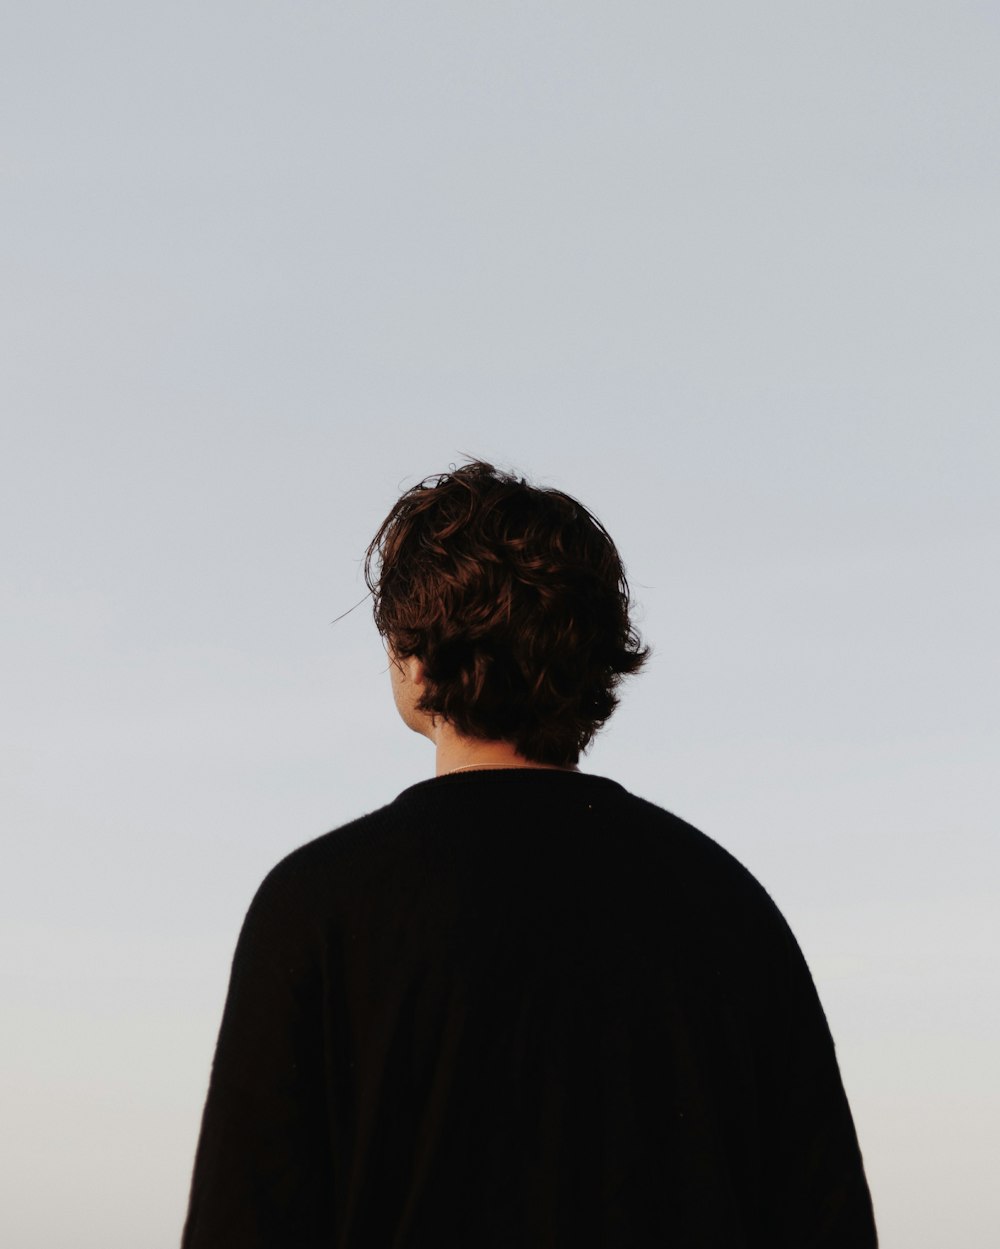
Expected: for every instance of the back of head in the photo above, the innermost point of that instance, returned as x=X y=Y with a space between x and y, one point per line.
x=515 y=600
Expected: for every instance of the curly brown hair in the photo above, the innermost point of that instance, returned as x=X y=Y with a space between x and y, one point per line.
x=515 y=600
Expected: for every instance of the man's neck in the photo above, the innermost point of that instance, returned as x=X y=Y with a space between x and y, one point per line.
x=454 y=752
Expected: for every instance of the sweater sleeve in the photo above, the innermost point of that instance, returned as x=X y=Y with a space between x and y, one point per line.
x=816 y=1191
x=262 y=1172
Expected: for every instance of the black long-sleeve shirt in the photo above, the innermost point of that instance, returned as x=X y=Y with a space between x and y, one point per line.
x=522 y=1008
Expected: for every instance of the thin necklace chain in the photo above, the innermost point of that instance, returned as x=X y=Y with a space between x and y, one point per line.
x=467 y=766
x=493 y=767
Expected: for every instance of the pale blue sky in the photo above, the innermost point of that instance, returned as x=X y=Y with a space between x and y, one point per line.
x=728 y=273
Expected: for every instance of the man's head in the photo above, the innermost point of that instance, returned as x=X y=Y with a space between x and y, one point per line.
x=515 y=602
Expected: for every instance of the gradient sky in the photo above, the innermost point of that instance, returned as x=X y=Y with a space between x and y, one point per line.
x=726 y=272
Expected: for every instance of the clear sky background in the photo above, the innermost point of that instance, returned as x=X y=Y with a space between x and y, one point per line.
x=727 y=272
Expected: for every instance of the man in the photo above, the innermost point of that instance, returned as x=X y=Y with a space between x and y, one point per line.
x=518 y=1007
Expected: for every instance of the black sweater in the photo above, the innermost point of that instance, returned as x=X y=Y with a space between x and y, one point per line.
x=522 y=1009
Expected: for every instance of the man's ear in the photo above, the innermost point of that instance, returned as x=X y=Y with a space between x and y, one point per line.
x=414 y=669
x=411 y=669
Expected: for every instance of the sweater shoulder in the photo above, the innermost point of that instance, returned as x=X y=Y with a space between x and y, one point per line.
x=335 y=850
x=700 y=852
